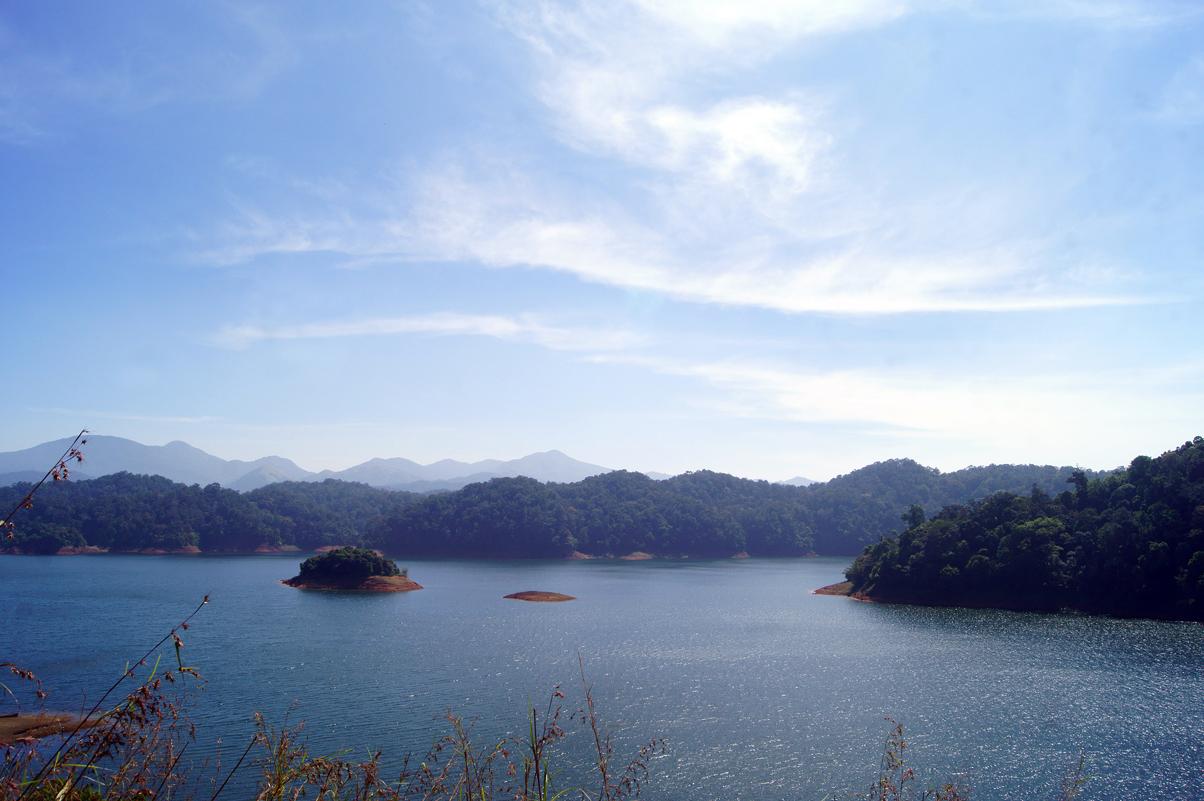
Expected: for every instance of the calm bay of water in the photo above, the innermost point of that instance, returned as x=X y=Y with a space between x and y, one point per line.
x=762 y=690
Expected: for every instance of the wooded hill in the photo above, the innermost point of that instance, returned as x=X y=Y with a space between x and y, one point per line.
x=1130 y=543
x=696 y=514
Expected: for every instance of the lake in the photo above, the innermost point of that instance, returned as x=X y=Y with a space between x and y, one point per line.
x=762 y=690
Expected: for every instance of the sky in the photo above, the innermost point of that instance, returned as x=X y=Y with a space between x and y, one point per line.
x=776 y=238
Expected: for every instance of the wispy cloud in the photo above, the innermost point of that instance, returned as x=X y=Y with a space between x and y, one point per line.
x=524 y=328
x=93 y=414
x=711 y=195
x=523 y=226
x=618 y=78
x=1004 y=413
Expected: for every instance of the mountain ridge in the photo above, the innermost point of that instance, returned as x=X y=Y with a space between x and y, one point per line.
x=184 y=463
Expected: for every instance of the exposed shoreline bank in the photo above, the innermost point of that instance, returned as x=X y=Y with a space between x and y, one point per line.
x=36 y=725
x=539 y=596
x=279 y=550
x=844 y=589
x=370 y=584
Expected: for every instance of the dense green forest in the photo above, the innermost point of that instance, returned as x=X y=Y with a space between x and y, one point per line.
x=857 y=509
x=698 y=514
x=125 y=512
x=1130 y=543
x=329 y=512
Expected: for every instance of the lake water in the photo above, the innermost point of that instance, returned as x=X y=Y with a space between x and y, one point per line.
x=762 y=690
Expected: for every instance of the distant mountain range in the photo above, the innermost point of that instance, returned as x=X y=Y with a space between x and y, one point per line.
x=798 y=481
x=181 y=462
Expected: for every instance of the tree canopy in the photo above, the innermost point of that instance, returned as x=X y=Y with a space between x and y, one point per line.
x=348 y=564
x=1130 y=543
x=701 y=513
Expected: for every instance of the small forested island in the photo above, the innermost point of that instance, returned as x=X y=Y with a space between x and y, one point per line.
x=352 y=568
x=1128 y=544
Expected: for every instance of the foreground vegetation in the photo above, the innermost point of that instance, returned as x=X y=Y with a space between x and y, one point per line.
x=1131 y=543
x=694 y=514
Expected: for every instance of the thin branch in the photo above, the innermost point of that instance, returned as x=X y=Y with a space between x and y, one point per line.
x=237 y=765
x=95 y=707
x=62 y=460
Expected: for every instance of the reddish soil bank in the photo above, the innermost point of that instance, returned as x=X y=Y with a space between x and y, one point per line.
x=577 y=556
x=844 y=588
x=38 y=724
x=637 y=556
x=539 y=596
x=160 y=551
x=370 y=584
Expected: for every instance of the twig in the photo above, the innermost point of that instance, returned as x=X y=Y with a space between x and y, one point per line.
x=127 y=674
x=54 y=468
x=237 y=765
x=170 y=768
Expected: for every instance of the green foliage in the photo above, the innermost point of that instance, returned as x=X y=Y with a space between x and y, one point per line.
x=516 y=517
x=853 y=511
x=696 y=514
x=1130 y=543
x=125 y=512
x=347 y=564
x=329 y=512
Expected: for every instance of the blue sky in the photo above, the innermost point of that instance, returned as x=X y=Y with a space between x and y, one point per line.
x=776 y=238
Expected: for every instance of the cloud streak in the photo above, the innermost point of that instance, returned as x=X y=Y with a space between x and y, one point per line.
x=1024 y=415
x=710 y=195
x=523 y=328
x=92 y=414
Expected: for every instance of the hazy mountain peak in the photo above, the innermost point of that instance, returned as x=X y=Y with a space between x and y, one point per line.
x=180 y=461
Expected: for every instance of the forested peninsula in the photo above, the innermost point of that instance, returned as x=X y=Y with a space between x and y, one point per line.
x=702 y=514
x=1130 y=544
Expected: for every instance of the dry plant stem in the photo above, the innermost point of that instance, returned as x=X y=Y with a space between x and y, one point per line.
x=602 y=745
x=24 y=675
x=136 y=735
x=896 y=780
x=637 y=770
x=1074 y=780
x=233 y=770
x=129 y=672
x=168 y=773
x=58 y=470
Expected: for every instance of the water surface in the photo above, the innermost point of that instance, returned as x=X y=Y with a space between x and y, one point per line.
x=762 y=690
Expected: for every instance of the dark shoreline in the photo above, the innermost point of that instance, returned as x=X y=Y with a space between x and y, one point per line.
x=844 y=589
x=92 y=550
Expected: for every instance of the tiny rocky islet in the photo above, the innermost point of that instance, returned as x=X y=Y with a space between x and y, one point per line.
x=539 y=596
